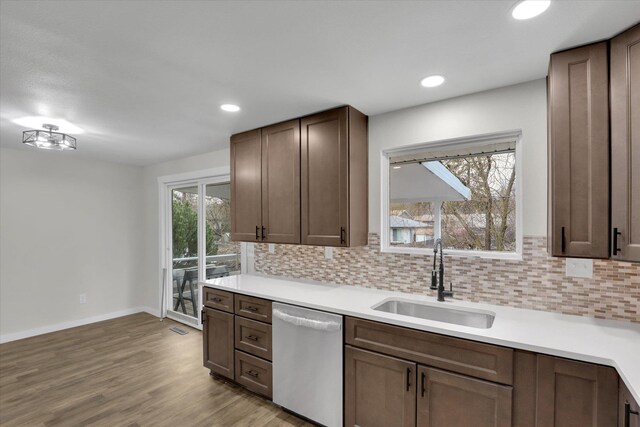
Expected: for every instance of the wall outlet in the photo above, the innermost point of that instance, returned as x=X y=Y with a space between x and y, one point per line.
x=579 y=267
x=83 y=298
x=272 y=248
x=328 y=252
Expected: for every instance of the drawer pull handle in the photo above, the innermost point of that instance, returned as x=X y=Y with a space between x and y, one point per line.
x=252 y=337
x=216 y=299
x=627 y=414
x=251 y=308
x=254 y=374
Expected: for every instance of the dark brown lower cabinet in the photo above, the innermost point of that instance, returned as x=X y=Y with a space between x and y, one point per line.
x=446 y=399
x=575 y=394
x=628 y=408
x=217 y=333
x=380 y=391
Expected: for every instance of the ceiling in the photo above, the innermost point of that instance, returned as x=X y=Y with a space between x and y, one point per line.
x=145 y=79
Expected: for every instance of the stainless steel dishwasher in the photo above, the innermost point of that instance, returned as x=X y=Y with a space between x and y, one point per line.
x=307 y=363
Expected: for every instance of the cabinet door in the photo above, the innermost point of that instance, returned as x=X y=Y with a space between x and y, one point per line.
x=579 y=152
x=246 y=187
x=380 y=390
x=281 y=182
x=625 y=144
x=575 y=394
x=446 y=399
x=217 y=340
x=629 y=410
x=325 y=178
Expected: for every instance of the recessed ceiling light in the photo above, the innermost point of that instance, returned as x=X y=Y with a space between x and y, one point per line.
x=432 y=81
x=229 y=107
x=528 y=9
x=37 y=121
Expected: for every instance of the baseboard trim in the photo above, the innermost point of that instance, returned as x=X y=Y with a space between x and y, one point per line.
x=74 y=323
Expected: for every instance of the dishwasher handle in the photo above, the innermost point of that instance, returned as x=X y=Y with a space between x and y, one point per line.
x=319 y=325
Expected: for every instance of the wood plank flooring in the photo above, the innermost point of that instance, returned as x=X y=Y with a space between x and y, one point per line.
x=130 y=371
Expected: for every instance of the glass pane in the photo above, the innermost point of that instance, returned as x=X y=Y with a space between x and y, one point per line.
x=184 y=214
x=467 y=200
x=223 y=255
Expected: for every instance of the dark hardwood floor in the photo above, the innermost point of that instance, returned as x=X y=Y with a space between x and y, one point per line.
x=130 y=371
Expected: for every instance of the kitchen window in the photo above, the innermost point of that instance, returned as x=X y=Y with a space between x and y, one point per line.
x=465 y=192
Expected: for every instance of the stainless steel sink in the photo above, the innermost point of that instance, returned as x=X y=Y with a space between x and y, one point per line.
x=472 y=318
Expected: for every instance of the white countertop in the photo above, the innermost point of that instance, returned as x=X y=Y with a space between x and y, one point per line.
x=606 y=342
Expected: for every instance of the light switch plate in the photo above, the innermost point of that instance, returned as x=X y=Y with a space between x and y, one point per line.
x=272 y=248
x=579 y=267
x=328 y=252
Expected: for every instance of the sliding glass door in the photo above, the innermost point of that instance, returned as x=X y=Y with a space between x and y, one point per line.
x=199 y=243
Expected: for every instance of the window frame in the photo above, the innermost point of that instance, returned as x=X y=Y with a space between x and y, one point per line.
x=514 y=136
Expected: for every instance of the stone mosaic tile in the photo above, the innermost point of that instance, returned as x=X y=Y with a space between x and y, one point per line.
x=537 y=282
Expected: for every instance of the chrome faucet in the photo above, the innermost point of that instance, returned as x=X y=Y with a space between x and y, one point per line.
x=437 y=277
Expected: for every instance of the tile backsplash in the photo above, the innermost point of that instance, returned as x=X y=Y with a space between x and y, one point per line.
x=537 y=282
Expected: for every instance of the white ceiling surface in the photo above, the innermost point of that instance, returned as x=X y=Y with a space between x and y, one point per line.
x=145 y=79
x=425 y=182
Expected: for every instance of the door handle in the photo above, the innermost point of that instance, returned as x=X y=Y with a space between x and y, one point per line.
x=627 y=414
x=342 y=238
x=563 y=242
x=264 y=229
x=616 y=233
x=257 y=232
x=408 y=379
x=422 y=384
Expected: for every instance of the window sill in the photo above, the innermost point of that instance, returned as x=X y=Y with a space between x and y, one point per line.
x=512 y=256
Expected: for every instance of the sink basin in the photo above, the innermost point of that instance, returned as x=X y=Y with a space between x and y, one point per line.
x=464 y=317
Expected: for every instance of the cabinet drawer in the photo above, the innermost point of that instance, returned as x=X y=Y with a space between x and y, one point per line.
x=478 y=360
x=253 y=337
x=217 y=299
x=254 y=373
x=253 y=308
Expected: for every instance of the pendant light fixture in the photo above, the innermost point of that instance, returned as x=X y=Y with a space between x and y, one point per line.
x=49 y=139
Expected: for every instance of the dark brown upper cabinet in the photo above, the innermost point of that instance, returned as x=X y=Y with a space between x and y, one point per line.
x=302 y=181
x=578 y=97
x=265 y=184
x=334 y=178
x=281 y=183
x=625 y=145
x=246 y=186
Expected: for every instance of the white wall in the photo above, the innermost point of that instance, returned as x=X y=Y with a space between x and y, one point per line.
x=149 y=293
x=67 y=226
x=522 y=106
